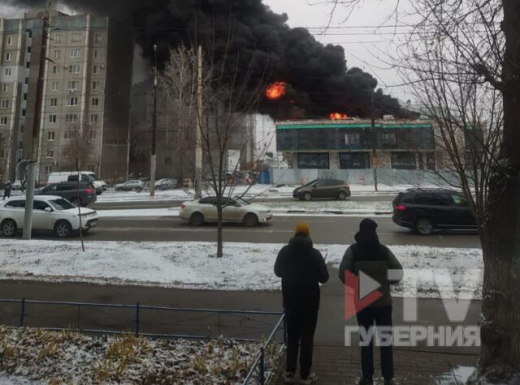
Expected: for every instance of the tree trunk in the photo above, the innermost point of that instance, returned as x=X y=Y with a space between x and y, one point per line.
x=220 y=238
x=499 y=359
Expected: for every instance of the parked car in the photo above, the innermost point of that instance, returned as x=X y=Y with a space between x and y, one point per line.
x=72 y=176
x=323 y=189
x=426 y=210
x=69 y=191
x=165 y=184
x=237 y=210
x=131 y=185
x=51 y=213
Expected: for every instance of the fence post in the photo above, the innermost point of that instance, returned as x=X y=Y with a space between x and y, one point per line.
x=137 y=311
x=262 y=366
x=22 y=313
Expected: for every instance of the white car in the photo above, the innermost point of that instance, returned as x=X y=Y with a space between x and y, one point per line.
x=131 y=185
x=51 y=213
x=165 y=184
x=237 y=210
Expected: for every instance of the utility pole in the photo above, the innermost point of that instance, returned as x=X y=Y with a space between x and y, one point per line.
x=153 y=160
x=198 y=131
x=35 y=143
x=374 y=144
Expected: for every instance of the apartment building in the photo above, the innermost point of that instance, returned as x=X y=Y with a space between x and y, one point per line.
x=87 y=82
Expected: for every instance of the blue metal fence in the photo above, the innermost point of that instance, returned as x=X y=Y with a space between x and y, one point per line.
x=261 y=371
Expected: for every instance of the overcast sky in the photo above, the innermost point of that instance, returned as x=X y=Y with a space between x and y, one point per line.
x=368 y=35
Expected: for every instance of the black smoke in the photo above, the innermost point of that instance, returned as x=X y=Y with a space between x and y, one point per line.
x=318 y=79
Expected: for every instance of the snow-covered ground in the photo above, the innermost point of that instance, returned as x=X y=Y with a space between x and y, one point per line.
x=37 y=357
x=429 y=272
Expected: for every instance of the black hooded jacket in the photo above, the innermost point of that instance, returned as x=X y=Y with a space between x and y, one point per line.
x=302 y=268
x=373 y=259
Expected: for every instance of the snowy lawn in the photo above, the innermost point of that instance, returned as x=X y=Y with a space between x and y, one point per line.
x=34 y=356
x=435 y=272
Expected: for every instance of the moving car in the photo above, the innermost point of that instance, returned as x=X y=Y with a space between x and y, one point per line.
x=426 y=210
x=131 y=185
x=72 y=176
x=237 y=210
x=69 y=190
x=323 y=189
x=165 y=184
x=51 y=213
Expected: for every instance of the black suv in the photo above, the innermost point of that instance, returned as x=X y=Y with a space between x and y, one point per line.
x=323 y=188
x=69 y=191
x=427 y=210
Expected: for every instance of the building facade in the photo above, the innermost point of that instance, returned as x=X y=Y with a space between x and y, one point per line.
x=87 y=82
x=350 y=144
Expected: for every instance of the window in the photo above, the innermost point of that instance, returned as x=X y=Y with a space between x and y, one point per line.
x=96 y=54
x=403 y=161
x=6 y=87
x=95 y=85
x=51 y=136
x=92 y=134
x=72 y=102
x=430 y=161
x=5 y=104
x=55 y=69
x=76 y=37
x=71 y=118
x=55 y=86
x=57 y=54
x=24 y=112
x=95 y=69
x=9 y=40
x=73 y=85
x=29 y=49
x=74 y=69
x=316 y=160
x=28 y=65
x=389 y=138
x=54 y=102
x=25 y=97
x=3 y=120
x=354 y=160
x=94 y=118
x=8 y=56
x=50 y=153
x=69 y=135
x=26 y=80
x=48 y=170
x=53 y=119
x=74 y=53
x=8 y=72
x=57 y=37
x=95 y=102
x=16 y=204
x=353 y=139
x=40 y=205
x=98 y=38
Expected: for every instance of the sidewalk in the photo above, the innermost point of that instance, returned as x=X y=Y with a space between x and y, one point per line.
x=342 y=366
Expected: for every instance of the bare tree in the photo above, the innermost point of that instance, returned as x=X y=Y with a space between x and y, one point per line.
x=4 y=157
x=464 y=60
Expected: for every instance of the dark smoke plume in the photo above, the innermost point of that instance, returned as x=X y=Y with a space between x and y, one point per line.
x=317 y=77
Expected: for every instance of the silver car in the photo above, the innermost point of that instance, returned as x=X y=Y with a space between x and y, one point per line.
x=236 y=210
x=131 y=185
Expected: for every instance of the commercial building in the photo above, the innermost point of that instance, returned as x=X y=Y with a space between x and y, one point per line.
x=87 y=82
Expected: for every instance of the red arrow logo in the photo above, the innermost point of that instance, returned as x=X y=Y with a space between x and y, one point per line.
x=359 y=293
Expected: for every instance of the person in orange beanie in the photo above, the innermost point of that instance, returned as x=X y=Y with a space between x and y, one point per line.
x=302 y=269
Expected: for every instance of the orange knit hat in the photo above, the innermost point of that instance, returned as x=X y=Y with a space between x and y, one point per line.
x=303 y=228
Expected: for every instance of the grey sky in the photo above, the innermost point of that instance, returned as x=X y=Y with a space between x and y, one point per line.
x=367 y=36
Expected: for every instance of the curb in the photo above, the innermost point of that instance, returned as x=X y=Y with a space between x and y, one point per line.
x=331 y=212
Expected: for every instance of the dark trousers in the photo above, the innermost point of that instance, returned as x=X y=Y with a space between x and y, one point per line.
x=7 y=194
x=301 y=325
x=380 y=316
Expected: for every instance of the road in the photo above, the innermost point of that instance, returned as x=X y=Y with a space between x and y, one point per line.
x=325 y=230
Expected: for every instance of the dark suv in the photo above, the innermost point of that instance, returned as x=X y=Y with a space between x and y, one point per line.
x=322 y=189
x=69 y=191
x=428 y=210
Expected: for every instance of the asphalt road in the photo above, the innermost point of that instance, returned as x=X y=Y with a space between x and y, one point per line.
x=325 y=230
x=160 y=204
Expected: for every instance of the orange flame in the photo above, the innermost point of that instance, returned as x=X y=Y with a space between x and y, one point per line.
x=338 y=116
x=275 y=90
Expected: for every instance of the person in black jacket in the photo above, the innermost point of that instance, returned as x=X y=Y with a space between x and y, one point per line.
x=7 y=190
x=368 y=256
x=302 y=268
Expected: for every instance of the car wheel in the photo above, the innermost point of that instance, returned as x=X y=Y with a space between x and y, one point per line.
x=197 y=219
x=9 y=228
x=63 y=229
x=342 y=195
x=251 y=220
x=424 y=226
x=307 y=196
x=138 y=189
